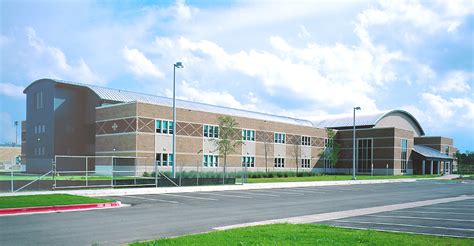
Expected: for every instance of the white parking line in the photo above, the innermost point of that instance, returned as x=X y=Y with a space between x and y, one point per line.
x=253 y=193
x=190 y=197
x=419 y=218
x=425 y=212
x=439 y=208
x=311 y=190
x=151 y=199
x=282 y=192
x=405 y=225
x=458 y=206
x=218 y=194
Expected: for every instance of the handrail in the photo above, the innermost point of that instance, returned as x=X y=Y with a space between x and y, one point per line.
x=162 y=174
x=33 y=181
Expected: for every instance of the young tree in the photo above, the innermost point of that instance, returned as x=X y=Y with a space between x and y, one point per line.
x=229 y=139
x=331 y=149
x=297 y=151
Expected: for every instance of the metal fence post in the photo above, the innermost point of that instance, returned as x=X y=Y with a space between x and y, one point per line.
x=87 y=170
x=112 y=172
x=54 y=173
x=372 y=171
x=11 y=178
x=386 y=170
x=156 y=174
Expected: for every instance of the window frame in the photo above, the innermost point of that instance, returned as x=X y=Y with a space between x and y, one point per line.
x=210 y=131
x=169 y=126
x=248 y=134
x=305 y=143
x=279 y=137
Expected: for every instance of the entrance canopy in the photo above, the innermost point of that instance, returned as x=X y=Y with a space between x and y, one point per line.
x=430 y=154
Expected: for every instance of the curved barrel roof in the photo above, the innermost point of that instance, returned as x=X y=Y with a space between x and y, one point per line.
x=364 y=120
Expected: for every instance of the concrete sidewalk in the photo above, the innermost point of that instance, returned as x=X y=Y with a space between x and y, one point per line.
x=163 y=190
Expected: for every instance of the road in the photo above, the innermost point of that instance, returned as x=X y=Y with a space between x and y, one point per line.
x=165 y=215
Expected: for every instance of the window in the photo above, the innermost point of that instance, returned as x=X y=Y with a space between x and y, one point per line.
x=446 y=150
x=210 y=161
x=36 y=129
x=248 y=161
x=164 y=159
x=364 y=155
x=280 y=137
x=211 y=131
x=39 y=100
x=305 y=140
x=328 y=147
x=328 y=143
x=305 y=163
x=43 y=128
x=403 y=158
x=248 y=135
x=164 y=126
x=279 y=162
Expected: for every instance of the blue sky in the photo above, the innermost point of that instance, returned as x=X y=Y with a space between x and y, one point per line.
x=297 y=58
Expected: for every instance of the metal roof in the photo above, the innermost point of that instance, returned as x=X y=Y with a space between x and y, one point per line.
x=117 y=95
x=335 y=121
x=370 y=120
x=429 y=152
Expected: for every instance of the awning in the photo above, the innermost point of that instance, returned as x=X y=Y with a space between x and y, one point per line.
x=430 y=153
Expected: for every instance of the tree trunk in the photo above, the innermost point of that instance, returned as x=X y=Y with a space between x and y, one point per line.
x=225 y=165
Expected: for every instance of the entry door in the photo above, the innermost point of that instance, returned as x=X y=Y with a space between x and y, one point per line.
x=447 y=168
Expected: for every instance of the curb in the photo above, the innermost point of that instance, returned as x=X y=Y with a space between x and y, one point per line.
x=58 y=208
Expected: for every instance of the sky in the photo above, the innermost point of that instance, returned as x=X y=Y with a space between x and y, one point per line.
x=303 y=59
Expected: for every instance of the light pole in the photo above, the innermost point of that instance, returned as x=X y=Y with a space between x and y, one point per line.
x=197 y=167
x=353 y=144
x=16 y=133
x=176 y=65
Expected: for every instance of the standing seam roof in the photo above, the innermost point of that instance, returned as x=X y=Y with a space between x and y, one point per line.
x=128 y=96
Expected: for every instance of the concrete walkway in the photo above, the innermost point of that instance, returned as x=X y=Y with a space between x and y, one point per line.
x=163 y=190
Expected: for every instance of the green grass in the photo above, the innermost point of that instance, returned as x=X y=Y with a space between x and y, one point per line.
x=332 y=178
x=46 y=200
x=306 y=234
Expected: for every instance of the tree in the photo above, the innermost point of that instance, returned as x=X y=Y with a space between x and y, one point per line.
x=297 y=151
x=331 y=149
x=465 y=161
x=229 y=139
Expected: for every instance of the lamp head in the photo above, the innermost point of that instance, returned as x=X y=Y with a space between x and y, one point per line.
x=357 y=108
x=179 y=65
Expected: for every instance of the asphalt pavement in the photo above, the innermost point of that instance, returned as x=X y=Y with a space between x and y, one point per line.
x=174 y=214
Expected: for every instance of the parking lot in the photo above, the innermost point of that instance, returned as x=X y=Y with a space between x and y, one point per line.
x=454 y=219
x=174 y=214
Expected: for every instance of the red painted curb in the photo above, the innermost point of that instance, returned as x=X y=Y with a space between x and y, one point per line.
x=8 y=211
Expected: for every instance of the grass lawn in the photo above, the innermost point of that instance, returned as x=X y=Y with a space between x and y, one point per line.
x=46 y=200
x=332 y=178
x=306 y=234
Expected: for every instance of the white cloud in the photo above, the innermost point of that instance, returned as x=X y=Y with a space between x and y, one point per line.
x=11 y=90
x=458 y=111
x=222 y=98
x=456 y=81
x=303 y=32
x=54 y=62
x=183 y=11
x=139 y=64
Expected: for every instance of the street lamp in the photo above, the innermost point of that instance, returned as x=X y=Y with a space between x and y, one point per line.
x=176 y=65
x=16 y=133
x=353 y=144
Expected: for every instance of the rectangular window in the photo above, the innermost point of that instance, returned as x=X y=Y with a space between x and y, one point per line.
x=210 y=161
x=248 y=135
x=39 y=99
x=279 y=162
x=36 y=129
x=210 y=131
x=164 y=159
x=446 y=150
x=164 y=126
x=403 y=157
x=306 y=163
x=43 y=129
x=248 y=161
x=305 y=140
x=280 y=138
x=364 y=155
x=328 y=148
